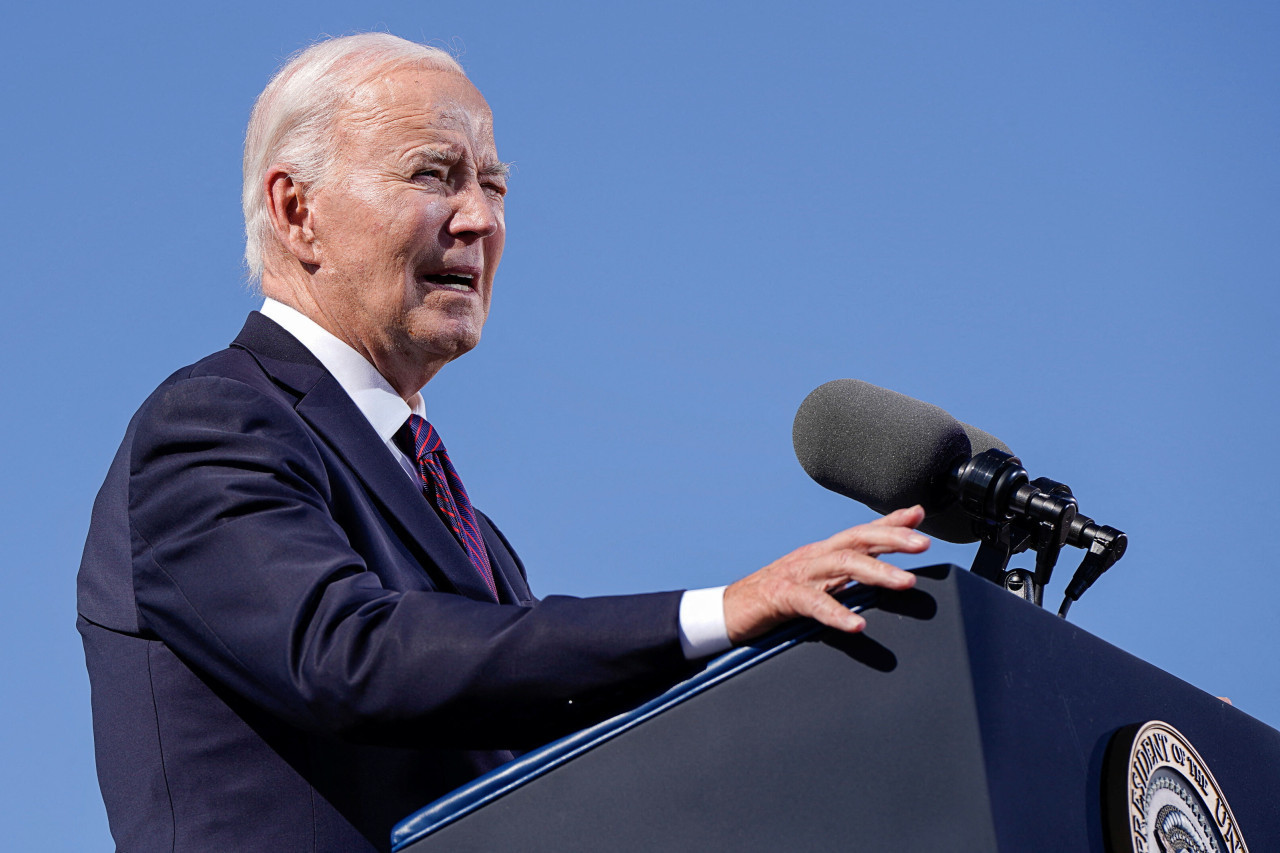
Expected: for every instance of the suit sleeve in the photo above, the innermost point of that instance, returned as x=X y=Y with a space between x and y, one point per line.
x=241 y=569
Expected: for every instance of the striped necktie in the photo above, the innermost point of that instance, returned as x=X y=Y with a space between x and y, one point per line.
x=441 y=483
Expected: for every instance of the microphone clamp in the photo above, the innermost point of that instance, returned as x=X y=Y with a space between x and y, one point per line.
x=1012 y=513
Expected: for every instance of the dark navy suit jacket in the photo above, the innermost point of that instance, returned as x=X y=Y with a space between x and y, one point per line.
x=288 y=650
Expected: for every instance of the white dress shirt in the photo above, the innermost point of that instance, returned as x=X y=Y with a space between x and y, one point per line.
x=702 y=628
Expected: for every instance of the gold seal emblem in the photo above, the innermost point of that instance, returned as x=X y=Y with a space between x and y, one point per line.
x=1161 y=797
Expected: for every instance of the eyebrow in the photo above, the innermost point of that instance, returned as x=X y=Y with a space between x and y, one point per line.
x=443 y=156
x=449 y=154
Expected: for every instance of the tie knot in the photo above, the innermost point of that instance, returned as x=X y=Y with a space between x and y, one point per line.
x=422 y=436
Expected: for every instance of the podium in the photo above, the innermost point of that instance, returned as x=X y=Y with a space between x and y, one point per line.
x=961 y=719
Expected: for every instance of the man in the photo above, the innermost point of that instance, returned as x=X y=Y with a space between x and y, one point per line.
x=296 y=627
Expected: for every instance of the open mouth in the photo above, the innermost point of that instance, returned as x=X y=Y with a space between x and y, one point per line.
x=462 y=282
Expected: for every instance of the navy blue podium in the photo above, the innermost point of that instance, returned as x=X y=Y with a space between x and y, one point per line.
x=962 y=719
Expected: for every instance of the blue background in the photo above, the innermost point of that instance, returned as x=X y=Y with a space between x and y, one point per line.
x=1058 y=221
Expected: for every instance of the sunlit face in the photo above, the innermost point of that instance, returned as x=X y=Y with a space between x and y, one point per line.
x=408 y=226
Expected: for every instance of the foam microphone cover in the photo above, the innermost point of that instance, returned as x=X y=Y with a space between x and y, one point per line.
x=877 y=446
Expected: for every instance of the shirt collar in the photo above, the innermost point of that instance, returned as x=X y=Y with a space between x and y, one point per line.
x=385 y=410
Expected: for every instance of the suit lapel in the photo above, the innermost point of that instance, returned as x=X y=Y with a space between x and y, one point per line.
x=335 y=418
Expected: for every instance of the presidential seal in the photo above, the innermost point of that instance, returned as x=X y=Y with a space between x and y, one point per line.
x=1161 y=797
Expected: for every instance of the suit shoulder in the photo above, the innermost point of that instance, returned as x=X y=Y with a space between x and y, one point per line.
x=229 y=379
x=233 y=363
x=194 y=400
x=223 y=405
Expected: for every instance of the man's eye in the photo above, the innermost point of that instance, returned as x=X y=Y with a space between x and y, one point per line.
x=432 y=174
x=495 y=189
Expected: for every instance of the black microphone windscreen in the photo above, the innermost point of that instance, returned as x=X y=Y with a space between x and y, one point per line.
x=877 y=446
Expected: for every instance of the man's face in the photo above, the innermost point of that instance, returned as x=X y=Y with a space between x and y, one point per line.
x=408 y=227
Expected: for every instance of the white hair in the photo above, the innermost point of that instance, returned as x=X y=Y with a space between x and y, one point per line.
x=292 y=120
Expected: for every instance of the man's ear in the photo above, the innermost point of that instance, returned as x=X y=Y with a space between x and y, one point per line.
x=288 y=205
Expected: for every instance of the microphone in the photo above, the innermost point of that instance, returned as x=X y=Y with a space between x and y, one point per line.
x=888 y=450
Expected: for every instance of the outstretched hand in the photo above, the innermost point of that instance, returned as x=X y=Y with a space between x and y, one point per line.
x=800 y=583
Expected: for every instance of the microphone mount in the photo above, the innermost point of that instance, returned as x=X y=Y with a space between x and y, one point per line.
x=1013 y=513
x=1106 y=546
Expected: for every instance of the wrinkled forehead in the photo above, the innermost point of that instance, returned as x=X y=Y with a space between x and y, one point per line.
x=419 y=102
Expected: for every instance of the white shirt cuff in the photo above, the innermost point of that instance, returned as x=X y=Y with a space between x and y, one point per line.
x=702 y=630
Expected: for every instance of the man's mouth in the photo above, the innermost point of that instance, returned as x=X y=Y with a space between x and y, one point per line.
x=462 y=282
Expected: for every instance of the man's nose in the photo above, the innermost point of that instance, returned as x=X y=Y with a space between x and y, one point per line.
x=474 y=212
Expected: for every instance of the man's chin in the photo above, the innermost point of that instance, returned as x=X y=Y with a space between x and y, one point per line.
x=448 y=344
x=463 y=348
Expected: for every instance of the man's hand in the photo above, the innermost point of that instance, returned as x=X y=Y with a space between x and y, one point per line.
x=799 y=583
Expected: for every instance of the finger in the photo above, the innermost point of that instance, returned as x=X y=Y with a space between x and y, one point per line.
x=910 y=516
x=750 y=609
x=878 y=539
x=840 y=567
x=853 y=566
x=821 y=607
x=906 y=542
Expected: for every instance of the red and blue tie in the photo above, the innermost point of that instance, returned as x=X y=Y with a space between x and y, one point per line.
x=440 y=482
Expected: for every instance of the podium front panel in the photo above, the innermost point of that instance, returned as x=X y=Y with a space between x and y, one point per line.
x=962 y=719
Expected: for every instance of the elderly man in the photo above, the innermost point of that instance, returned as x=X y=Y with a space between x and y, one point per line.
x=297 y=628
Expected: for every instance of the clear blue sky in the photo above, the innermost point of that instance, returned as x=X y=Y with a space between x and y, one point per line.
x=1056 y=220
